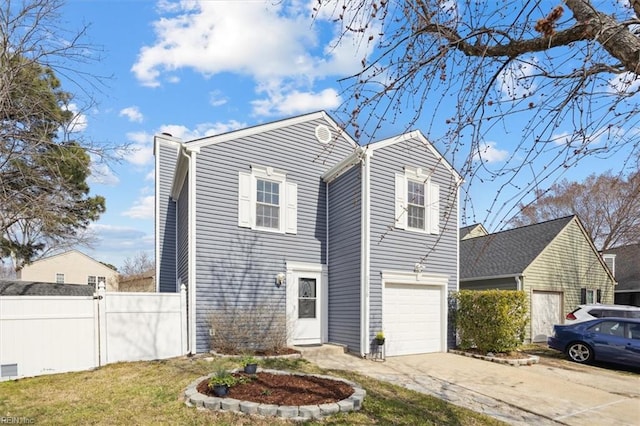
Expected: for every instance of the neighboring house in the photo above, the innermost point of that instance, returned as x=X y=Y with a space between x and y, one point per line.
x=71 y=267
x=472 y=231
x=339 y=241
x=554 y=262
x=145 y=282
x=625 y=264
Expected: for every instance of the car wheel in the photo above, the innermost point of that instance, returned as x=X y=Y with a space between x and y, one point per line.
x=580 y=352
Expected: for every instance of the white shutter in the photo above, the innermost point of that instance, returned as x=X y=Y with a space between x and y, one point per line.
x=291 y=211
x=401 y=201
x=244 y=200
x=434 y=208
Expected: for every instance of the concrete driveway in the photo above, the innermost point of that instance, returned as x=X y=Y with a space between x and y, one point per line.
x=555 y=393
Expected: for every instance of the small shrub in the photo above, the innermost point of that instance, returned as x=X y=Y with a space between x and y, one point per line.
x=491 y=320
x=222 y=377
x=241 y=329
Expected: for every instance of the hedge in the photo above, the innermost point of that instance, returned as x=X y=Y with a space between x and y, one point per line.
x=491 y=320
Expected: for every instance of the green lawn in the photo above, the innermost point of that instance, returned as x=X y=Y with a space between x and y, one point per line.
x=150 y=393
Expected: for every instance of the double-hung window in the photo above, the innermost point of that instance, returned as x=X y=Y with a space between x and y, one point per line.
x=267 y=201
x=416 y=207
x=59 y=278
x=267 y=204
x=417 y=200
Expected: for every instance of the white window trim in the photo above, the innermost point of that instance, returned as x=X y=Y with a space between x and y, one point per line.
x=247 y=190
x=432 y=201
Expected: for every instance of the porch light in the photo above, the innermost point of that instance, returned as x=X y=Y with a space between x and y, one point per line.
x=280 y=278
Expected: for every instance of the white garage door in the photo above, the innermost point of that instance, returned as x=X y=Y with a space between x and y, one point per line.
x=412 y=319
x=546 y=310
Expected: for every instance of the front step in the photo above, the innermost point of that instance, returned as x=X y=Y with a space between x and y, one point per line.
x=317 y=350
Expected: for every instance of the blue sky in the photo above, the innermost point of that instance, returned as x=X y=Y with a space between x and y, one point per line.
x=200 y=68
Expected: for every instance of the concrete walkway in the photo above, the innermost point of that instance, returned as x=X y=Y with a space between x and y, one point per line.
x=525 y=395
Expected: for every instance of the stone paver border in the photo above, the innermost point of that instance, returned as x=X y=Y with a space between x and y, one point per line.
x=193 y=398
x=529 y=360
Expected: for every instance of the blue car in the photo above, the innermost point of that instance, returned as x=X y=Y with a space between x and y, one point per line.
x=615 y=340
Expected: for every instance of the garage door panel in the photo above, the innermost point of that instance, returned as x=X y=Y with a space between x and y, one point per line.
x=412 y=319
x=546 y=310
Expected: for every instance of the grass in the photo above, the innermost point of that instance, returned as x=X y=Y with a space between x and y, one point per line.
x=146 y=393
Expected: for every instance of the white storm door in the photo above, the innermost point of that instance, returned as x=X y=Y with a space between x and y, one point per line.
x=304 y=302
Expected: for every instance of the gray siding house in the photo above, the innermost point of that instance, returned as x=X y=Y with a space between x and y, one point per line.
x=554 y=262
x=338 y=241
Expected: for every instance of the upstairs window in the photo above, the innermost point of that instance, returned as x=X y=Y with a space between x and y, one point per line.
x=91 y=280
x=416 y=207
x=267 y=204
x=267 y=200
x=59 y=278
x=417 y=201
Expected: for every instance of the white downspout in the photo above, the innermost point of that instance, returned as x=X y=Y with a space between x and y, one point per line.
x=192 y=246
x=365 y=253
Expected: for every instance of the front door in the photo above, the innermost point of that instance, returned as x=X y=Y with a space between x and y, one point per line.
x=304 y=306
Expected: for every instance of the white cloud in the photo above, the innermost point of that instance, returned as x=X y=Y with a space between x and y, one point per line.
x=201 y=130
x=296 y=102
x=79 y=121
x=132 y=113
x=516 y=82
x=143 y=208
x=140 y=152
x=217 y=99
x=151 y=176
x=488 y=153
x=102 y=174
x=116 y=243
x=279 y=45
x=624 y=83
x=593 y=138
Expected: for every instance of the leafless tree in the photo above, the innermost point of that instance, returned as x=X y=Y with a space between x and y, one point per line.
x=137 y=265
x=554 y=82
x=607 y=205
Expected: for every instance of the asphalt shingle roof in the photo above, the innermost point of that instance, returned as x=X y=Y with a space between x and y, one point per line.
x=627 y=266
x=27 y=288
x=507 y=252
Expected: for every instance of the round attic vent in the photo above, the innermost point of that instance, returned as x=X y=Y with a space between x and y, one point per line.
x=323 y=134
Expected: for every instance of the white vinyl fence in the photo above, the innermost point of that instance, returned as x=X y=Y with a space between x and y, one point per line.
x=56 y=334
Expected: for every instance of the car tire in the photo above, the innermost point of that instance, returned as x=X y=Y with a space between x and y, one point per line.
x=580 y=352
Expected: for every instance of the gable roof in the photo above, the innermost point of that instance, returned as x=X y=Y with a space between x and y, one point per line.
x=473 y=231
x=260 y=128
x=507 y=253
x=416 y=134
x=69 y=252
x=26 y=288
x=627 y=266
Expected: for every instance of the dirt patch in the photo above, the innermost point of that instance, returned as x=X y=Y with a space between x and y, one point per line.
x=284 y=389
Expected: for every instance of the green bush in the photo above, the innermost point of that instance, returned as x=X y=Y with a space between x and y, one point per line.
x=491 y=320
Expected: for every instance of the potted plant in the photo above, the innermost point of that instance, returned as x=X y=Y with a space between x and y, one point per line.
x=379 y=338
x=221 y=381
x=250 y=364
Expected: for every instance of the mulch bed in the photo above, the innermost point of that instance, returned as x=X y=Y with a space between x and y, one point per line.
x=284 y=389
